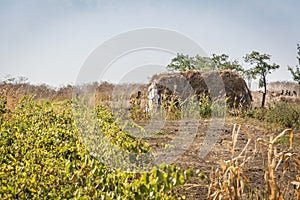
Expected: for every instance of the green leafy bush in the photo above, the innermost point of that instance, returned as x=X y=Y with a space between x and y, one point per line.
x=281 y=113
x=43 y=157
x=3 y=103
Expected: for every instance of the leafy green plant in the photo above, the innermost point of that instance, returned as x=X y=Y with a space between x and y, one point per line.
x=3 y=103
x=296 y=72
x=283 y=114
x=43 y=156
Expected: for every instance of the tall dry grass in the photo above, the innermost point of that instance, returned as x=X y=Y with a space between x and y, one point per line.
x=280 y=170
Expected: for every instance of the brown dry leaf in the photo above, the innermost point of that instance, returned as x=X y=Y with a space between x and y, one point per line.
x=291 y=140
x=223 y=166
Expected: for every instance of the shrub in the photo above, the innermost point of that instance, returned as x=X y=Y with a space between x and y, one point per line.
x=3 y=103
x=43 y=157
x=281 y=113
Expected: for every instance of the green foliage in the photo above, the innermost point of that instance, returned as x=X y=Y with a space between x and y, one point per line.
x=203 y=63
x=116 y=135
x=286 y=115
x=205 y=107
x=208 y=108
x=184 y=62
x=260 y=70
x=222 y=63
x=193 y=107
x=296 y=73
x=3 y=103
x=43 y=157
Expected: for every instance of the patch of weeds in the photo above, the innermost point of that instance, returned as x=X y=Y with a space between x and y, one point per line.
x=161 y=133
x=284 y=114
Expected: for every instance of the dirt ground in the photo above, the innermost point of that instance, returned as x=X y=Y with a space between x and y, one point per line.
x=220 y=150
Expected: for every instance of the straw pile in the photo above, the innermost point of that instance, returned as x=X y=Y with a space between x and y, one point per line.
x=214 y=84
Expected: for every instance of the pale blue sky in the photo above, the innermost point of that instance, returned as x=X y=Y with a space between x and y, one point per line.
x=49 y=40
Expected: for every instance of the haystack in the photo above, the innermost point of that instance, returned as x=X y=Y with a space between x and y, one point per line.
x=214 y=84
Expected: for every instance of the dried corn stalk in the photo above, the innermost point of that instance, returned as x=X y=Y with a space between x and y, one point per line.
x=230 y=181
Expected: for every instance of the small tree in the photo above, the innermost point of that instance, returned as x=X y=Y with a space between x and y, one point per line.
x=222 y=62
x=296 y=73
x=260 y=70
x=184 y=62
x=203 y=63
x=181 y=63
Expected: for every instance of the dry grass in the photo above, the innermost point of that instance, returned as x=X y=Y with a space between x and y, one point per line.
x=281 y=168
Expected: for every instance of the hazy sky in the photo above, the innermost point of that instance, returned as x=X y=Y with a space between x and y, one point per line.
x=49 y=40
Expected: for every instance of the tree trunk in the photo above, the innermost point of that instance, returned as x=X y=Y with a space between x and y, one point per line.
x=264 y=93
x=263 y=100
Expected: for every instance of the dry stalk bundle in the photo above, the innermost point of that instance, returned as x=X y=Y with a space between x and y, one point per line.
x=230 y=182
x=281 y=170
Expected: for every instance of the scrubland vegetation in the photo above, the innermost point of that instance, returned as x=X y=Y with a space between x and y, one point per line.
x=42 y=155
